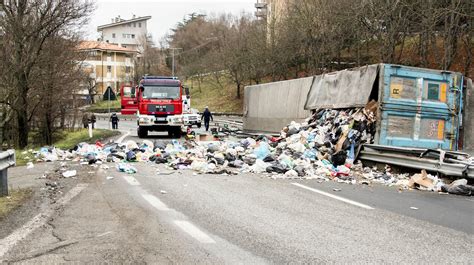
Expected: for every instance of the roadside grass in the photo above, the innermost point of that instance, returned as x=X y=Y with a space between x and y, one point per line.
x=14 y=200
x=104 y=105
x=64 y=140
x=219 y=97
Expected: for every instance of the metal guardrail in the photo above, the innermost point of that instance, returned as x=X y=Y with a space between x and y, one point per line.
x=7 y=159
x=416 y=158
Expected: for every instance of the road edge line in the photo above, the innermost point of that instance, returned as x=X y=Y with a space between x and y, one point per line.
x=339 y=198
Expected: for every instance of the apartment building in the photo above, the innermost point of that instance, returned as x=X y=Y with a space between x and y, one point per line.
x=271 y=10
x=127 y=33
x=108 y=64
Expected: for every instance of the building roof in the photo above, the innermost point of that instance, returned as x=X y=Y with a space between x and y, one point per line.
x=122 y=21
x=103 y=46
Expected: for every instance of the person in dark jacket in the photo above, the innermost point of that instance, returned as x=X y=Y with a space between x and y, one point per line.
x=85 y=120
x=114 y=119
x=207 y=116
x=93 y=120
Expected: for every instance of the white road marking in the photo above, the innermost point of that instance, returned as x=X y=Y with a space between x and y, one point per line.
x=334 y=196
x=155 y=202
x=195 y=232
x=119 y=140
x=7 y=243
x=131 y=180
x=104 y=234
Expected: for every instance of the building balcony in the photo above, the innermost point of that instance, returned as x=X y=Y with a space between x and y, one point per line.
x=260 y=5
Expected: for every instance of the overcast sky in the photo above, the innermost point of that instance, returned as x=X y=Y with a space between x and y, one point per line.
x=165 y=14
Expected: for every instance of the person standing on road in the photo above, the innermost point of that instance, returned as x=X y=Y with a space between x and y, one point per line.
x=85 y=120
x=114 y=119
x=207 y=116
x=93 y=120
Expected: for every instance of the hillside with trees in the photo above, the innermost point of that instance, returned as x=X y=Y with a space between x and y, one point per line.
x=320 y=36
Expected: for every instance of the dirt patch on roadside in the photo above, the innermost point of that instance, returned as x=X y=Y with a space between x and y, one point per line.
x=25 y=203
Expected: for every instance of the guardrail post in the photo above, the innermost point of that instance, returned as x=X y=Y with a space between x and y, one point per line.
x=7 y=159
x=3 y=183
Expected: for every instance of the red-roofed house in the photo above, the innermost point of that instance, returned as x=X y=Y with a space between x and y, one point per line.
x=109 y=64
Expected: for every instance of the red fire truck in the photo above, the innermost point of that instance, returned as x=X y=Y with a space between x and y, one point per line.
x=128 y=100
x=160 y=105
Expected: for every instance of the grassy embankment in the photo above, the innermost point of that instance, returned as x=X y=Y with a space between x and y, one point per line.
x=64 y=140
x=103 y=105
x=219 y=97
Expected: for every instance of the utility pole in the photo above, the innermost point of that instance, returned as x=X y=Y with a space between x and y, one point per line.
x=172 y=64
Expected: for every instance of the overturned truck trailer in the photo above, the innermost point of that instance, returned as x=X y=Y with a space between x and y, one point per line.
x=417 y=108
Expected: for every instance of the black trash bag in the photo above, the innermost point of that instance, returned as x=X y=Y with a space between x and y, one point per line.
x=459 y=187
x=273 y=144
x=300 y=170
x=269 y=158
x=339 y=158
x=277 y=168
x=292 y=131
x=347 y=144
x=230 y=157
x=161 y=160
x=131 y=156
x=110 y=158
x=262 y=137
x=91 y=159
x=119 y=156
x=219 y=161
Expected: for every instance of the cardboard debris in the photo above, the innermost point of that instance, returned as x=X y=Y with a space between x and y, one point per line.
x=421 y=180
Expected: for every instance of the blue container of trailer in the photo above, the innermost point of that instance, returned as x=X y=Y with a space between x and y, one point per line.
x=417 y=107
x=420 y=108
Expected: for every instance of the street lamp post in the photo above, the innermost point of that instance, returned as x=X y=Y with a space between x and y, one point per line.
x=172 y=61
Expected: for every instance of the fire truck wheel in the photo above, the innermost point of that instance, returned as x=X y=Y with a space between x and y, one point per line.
x=142 y=132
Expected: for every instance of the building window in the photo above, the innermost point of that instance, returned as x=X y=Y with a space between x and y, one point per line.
x=133 y=36
x=139 y=24
x=134 y=24
x=129 y=25
x=127 y=69
x=109 y=69
x=113 y=35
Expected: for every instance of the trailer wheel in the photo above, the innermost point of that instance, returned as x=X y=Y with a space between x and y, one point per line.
x=142 y=132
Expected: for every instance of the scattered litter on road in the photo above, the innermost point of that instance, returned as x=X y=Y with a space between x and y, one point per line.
x=414 y=208
x=29 y=165
x=163 y=192
x=323 y=147
x=69 y=173
x=109 y=178
x=127 y=168
x=336 y=189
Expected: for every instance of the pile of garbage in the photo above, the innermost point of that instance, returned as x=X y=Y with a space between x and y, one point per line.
x=324 y=147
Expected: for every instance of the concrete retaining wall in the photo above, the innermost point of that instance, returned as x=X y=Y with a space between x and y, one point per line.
x=270 y=107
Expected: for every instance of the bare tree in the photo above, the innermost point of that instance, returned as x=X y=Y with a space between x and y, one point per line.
x=27 y=26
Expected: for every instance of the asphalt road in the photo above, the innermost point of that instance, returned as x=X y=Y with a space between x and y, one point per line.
x=162 y=216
